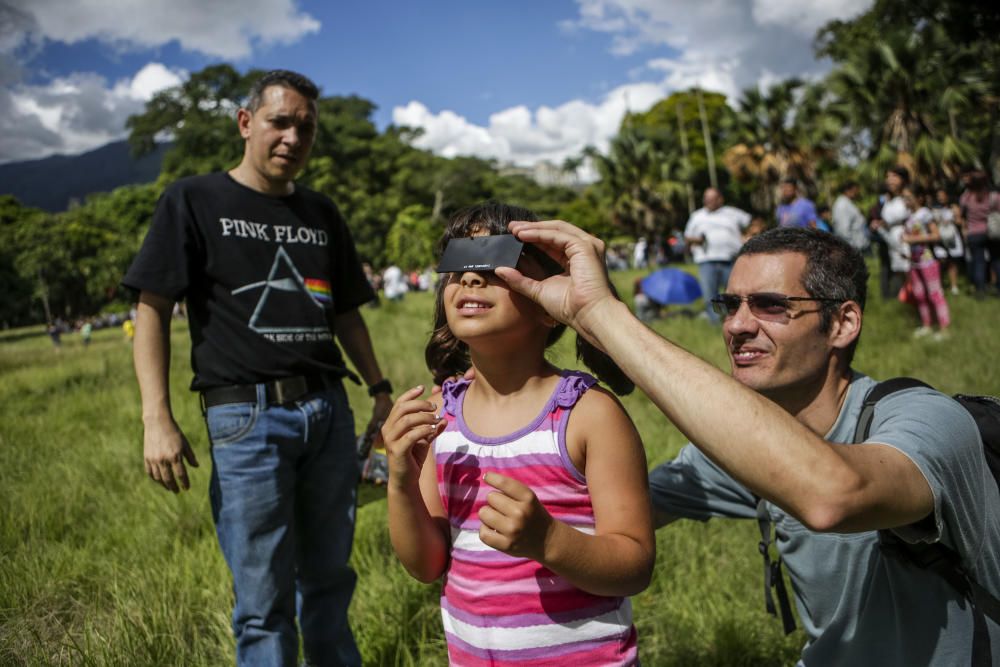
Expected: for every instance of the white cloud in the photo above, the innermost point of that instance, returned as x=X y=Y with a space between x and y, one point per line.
x=148 y=81
x=720 y=45
x=688 y=72
x=806 y=18
x=447 y=133
x=82 y=110
x=75 y=113
x=519 y=136
x=226 y=29
x=724 y=45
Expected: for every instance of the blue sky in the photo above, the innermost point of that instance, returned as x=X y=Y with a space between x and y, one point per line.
x=515 y=80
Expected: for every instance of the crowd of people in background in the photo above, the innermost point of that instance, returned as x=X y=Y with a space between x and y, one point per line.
x=393 y=283
x=86 y=326
x=926 y=240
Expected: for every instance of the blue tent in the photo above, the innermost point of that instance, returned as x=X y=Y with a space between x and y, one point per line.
x=670 y=286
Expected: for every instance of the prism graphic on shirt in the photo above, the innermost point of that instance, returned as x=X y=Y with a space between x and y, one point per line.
x=281 y=290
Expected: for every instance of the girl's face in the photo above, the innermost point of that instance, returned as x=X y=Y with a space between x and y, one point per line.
x=481 y=307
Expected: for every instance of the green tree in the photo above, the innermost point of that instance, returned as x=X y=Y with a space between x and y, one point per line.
x=70 y=264
x=919 y=83
x=589 y=213
x=643 y=181
x=199 y=116
x=768 y=142
x=413 y=238
x=662 y=120
x=20 y=299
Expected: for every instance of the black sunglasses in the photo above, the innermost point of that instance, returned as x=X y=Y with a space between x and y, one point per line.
x=769 y=306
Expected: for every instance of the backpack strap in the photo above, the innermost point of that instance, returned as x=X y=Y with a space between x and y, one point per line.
x=877 y=393
x=986 y=411
x=772 y=571
x=936 y=557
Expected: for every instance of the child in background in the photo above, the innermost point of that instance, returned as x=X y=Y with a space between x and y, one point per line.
x=921 y=233
x=951 y=251
x=86 y=331
x=524 y=486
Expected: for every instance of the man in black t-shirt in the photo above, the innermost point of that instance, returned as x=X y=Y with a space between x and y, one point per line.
x=270 y=275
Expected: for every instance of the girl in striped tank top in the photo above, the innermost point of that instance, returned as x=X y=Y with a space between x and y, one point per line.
x=522 y=485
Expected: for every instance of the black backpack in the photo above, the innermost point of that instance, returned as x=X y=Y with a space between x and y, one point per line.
x=935 y=557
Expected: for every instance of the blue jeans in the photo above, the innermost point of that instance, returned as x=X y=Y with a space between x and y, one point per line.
x=712 y=276
x=979 y=270
x=283 y=492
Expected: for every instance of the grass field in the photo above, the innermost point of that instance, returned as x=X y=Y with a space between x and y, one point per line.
x=99 y=566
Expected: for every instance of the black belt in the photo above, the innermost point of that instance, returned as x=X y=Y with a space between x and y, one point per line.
x=277 y=392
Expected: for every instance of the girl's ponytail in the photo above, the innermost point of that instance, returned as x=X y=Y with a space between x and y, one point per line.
x=603 y=366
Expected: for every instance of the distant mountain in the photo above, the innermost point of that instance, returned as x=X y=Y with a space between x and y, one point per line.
x=53 y=182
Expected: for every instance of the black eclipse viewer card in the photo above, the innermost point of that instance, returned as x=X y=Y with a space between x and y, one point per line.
x=480 y=253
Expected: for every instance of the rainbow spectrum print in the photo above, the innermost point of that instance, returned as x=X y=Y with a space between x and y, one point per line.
x=319 y=289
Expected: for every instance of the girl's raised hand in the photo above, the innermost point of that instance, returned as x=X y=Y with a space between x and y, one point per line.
x=513 y=520
x=408 y=431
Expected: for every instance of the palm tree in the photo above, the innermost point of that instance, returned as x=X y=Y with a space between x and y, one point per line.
x=899 y=88
x=640 y=179
x=768 y=142
x=571 y=167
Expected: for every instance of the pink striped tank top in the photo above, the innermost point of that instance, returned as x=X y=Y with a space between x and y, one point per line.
x=503 y=610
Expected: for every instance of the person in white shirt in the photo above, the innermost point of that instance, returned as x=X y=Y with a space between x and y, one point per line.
x=848 y=221
x=394 y=283
x=895 y=213
x=715 y=233
x=639 y=253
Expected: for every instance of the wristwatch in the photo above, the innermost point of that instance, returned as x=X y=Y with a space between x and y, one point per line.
x=383 y=386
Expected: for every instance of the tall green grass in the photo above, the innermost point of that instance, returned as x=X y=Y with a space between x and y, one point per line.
x=99 y=566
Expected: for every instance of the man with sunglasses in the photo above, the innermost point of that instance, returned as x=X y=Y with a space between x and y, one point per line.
x=792 y=315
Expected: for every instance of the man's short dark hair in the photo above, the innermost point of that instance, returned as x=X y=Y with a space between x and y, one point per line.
x=790 y=181
x=833 y=270
x=849 y=185
x=285 y=78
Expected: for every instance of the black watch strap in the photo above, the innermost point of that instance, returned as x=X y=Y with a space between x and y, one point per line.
x=383 y=386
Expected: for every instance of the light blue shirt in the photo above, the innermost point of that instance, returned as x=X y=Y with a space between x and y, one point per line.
x=800 y=213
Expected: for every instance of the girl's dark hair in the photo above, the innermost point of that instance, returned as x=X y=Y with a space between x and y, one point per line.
x=447 y=356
